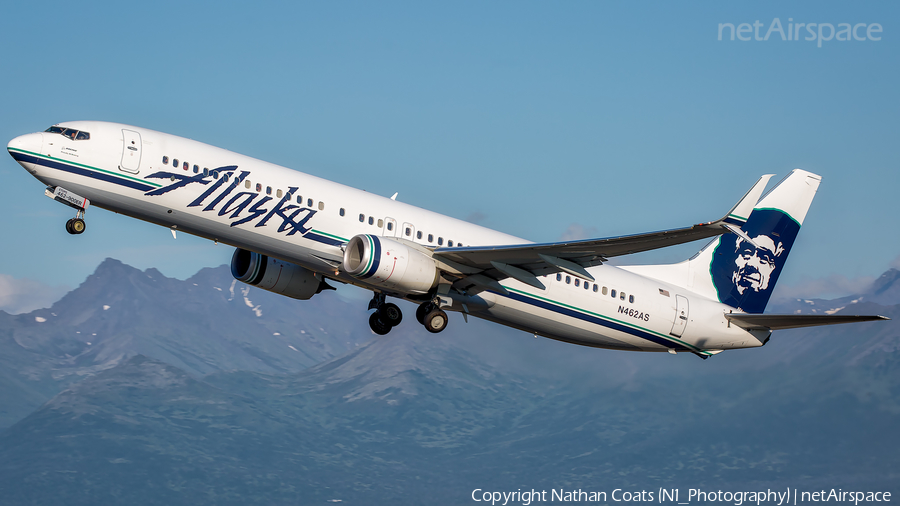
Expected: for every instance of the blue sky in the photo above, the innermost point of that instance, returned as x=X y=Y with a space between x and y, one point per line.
x=538 y=119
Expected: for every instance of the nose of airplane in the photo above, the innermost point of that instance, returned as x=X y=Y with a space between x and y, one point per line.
x=28 y=143
x=24 y=148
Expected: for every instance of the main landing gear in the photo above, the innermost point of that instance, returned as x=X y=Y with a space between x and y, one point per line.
x=387 y=316
x=434 y=319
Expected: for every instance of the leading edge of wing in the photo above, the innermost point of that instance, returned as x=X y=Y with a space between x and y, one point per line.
x=593 y=251
x=795 y=321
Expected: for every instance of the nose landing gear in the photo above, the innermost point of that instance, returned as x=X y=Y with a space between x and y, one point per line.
x=76 y=225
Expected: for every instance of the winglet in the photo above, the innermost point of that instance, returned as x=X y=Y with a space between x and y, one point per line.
x=738 y=214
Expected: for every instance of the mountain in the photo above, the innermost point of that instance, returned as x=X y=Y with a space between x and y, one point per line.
x=884 y=291
x=204 y=324
x=413 y=418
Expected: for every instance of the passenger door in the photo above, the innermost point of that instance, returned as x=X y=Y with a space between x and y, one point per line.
x=131 y=151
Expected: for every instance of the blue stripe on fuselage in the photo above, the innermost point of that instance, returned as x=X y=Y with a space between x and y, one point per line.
x=322 y=239
x=597 y=321
x=54 y=164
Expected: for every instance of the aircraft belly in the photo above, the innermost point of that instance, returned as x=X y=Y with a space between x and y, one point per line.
x=559 y=327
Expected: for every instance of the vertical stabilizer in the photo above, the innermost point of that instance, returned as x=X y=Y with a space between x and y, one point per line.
x=744 y=273
x=741 y=270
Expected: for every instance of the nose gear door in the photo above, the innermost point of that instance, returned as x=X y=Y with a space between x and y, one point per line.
x=131 y=151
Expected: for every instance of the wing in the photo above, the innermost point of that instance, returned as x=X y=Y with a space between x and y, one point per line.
x=794 y=321
x=484 y=266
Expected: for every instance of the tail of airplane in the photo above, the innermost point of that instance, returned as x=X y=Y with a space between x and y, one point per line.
x=741 y=270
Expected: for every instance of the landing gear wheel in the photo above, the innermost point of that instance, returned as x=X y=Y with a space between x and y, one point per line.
x=390 y=314
x=69 y=226
x=423 y=310
x=377 y=325
x=77 y=226
x=435 y=321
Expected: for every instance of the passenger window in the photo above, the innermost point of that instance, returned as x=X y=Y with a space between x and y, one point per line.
x=595 y=288
x=408 y=232
x=568 y=280
x=321 y=206
x=308 y=202
x=268 y=190
x=196 y=169
x=612 y=293
x=380 y=223
x=622 y=296
x=186 y=166
x=558 y=276
x=371 y=220
x=175 y=163
x=419 y=234
x=279 y=193
x=258 y=187
x=215 y=174
x=299 y=200
x=205 y=171
x=390 y=226
x=604 y=290
x=440 y=241
x=165 y=160
x=247 y=184
x=577 y=282
x=631 y=299
x=586 y=285
x=430 y=238
x=341 y=211
x=450 y=243
x=362 y=217
x=225 y=177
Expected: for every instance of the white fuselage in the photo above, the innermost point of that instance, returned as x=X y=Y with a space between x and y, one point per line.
x=151 y=176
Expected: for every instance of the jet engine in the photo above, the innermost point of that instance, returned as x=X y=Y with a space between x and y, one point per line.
x=391 y=264
x=283 y=278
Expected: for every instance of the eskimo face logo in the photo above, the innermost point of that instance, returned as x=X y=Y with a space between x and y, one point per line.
x=754 y=265
x=745 y=273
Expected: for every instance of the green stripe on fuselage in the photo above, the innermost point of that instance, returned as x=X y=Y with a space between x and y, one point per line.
x=604 y=317
x=69 y=162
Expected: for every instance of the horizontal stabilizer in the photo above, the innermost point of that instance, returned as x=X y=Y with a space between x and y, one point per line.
x=793 y=321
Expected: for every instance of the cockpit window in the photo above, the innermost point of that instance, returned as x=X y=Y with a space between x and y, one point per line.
x=75 y=135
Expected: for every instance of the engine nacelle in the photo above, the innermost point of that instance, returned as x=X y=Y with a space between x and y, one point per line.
x=276 y=276
x=389 y=263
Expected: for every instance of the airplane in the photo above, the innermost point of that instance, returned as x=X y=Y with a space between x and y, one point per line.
x=294 y=232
